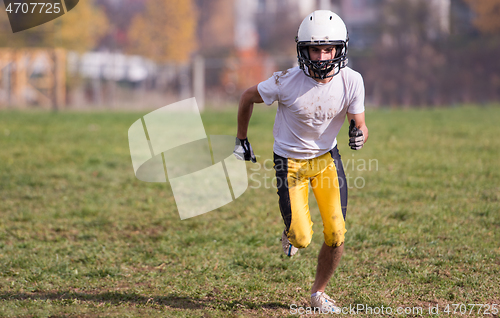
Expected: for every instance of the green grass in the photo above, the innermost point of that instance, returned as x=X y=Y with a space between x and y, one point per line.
x=80 y=236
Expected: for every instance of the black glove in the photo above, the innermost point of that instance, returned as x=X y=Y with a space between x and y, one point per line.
x=243 y=150
x=356 y=138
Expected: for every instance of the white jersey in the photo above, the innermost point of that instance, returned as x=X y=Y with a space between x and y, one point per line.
x=310 y=114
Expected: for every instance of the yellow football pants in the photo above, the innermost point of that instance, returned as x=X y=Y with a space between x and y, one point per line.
x=326 y=176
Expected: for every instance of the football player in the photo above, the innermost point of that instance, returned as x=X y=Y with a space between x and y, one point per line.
x=314 y=99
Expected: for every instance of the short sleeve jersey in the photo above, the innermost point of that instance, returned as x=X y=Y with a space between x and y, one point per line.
x=310 y=114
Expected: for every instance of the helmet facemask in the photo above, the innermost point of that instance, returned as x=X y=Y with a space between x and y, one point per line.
x=324 y=68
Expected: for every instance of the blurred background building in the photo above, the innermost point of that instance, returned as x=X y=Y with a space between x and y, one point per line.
x=148 y=53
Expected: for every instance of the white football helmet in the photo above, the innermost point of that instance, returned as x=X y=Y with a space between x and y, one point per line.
x=322 y=27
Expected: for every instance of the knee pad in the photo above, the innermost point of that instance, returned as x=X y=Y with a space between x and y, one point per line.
x=299 y=239
x=335 y=239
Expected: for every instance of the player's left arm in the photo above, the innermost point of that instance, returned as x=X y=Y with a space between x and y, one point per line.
x=360 y=123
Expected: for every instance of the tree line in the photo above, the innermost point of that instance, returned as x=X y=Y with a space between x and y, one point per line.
x=412 y=66
x=408 y=63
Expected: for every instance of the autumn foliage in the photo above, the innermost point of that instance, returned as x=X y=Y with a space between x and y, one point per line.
x=412 y=66
x=165 y=31
x=487 y=15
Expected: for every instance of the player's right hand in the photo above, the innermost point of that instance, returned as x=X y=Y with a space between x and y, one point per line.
x=356 y=138
x=243 y=150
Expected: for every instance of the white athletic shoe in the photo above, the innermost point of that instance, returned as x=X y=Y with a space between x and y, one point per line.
x=288 y=248
x=325 y=304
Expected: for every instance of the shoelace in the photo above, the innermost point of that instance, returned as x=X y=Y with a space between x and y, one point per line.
x=327 y=299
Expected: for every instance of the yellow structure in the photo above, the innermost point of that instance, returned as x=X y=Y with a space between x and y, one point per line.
x=21 y=86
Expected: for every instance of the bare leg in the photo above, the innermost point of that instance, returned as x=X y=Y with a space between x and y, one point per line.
x=328 y=260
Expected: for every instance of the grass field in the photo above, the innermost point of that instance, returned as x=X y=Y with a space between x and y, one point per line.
x=80 y=236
